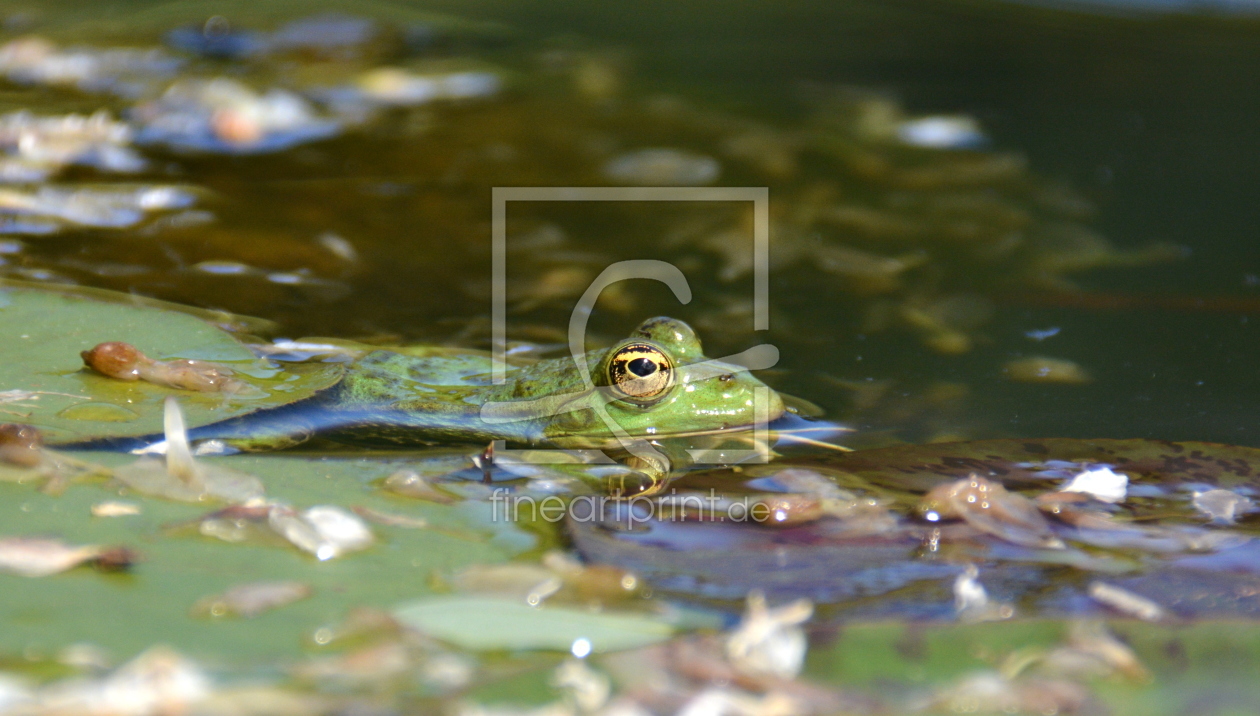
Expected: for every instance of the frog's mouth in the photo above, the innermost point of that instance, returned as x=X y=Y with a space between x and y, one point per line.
x=769 y=421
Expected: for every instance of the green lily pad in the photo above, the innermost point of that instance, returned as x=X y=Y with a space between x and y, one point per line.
x=126 y=613
x=43 y=381
x=489 y=624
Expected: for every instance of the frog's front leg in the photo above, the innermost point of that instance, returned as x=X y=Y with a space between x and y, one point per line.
x=626 y=476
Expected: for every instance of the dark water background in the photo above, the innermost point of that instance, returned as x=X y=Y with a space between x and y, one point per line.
x=1150 y=116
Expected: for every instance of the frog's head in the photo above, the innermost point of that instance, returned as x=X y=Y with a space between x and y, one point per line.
x=658 y=383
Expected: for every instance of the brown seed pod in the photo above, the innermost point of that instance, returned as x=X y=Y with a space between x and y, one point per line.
x=115 y=559
x=116 y=360
x=20 y=445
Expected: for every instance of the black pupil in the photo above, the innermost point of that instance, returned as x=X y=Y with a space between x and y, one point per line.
x=642 y=367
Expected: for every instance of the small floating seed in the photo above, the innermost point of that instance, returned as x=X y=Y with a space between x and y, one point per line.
x=1039 y=369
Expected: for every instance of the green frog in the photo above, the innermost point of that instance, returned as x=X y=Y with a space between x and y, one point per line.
x=656 y=383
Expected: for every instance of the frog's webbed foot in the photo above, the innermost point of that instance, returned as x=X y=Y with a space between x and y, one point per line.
x=635 y=484
x=650 y=464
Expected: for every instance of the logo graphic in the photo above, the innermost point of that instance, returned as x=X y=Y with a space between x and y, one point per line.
x=591 y=396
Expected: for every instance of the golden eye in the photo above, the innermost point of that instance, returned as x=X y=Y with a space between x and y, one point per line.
x=640 y=372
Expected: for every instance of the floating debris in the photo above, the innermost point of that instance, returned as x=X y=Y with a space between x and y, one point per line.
x=223 y=115
x=324 y=531
x=1126 y=602
x=39 y=557
x=39 y=147
x=991 y=692
x=113 y=508
x=23 y=458
x=1091 y=637
x=50 y=209
x=123 y=361
x=180 y=477
x=159 y=681
x=1100 y=530
x=397 y=87
x=971 y=601
x=339 y=246
x=410 y=483
x=1100 y=482
x=942 y=132
x=1091 y=652
x=383 y=653
x=1041 y=334
x=1040 y=369
x=988 y=507
x=21 y=445
x=663 y=167
x=1223 y=506
x=123 y=72
x=591 y=583
x=586 y=688
x=390 y=519
x=560 y=578
x=770 y=642
x=252 y=599
x=529 y=583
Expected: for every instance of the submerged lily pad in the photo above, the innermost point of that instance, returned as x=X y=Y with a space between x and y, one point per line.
x=485 y=623
x=1155 y=543
x=1038 y=461
x=43 y=381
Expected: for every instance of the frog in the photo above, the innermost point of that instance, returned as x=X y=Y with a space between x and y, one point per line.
x=654 y=384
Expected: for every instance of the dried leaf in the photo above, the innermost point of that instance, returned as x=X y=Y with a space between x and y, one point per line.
x=36 y=557
x=324 y=531
x=990 y=508
x=182 y=477
x=770 y=642
x=115 y=509
x=252 y=599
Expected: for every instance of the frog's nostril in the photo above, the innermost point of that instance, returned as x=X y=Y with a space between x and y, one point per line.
x=642 y=367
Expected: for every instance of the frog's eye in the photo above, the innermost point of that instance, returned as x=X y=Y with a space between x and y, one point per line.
x=640 y=372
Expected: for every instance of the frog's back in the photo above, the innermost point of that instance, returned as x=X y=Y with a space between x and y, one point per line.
x=383 y=378
x=393 y=397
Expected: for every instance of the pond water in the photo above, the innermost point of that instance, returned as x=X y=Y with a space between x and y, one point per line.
x=986 y=222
